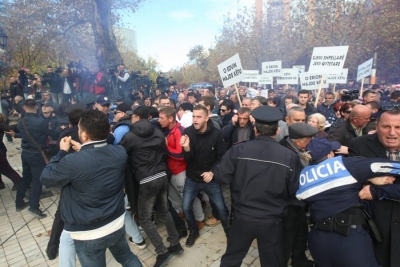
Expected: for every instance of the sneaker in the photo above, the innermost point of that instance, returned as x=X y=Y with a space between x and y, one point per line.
x=51 y=255
x=163 y=259
x=182 y=233
x=193 y=235
x=212 y=221
x=200 y=225
x=23 y=206
x=37 y=213
x=176 y=250
x=141 y=245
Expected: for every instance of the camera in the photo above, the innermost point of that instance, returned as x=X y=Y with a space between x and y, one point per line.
x=112 y=69
x=58 y=70
x=349 y=95
x=135 y=73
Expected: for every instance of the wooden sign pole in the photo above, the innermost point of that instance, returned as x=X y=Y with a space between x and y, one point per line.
x=319 y=90
x=237 y=92
x=362 y=87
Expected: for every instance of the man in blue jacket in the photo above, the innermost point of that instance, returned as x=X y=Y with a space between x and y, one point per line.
x=92 y=203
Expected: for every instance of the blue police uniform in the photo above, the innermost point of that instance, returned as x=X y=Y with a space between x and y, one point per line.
x=339 y=235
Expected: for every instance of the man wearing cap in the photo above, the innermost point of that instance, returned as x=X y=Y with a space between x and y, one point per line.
x=103 y=104
x=330 y=186
x=146 y=147
x=295 y=224
x=263 y=176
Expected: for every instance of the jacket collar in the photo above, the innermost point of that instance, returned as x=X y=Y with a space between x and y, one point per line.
x=94 y=144
x=265 y=138
x=376 y=146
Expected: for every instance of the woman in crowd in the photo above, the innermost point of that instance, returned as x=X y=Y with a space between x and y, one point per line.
x=342 y=113
x=318 y=121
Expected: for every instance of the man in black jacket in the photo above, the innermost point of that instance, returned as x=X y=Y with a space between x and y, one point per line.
x=148 y=153
x=203 y=148
x=385 y=143
x=92 y=201
x=53 y=80
x=239 y=129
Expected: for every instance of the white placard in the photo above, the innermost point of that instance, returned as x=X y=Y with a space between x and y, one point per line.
x=288 y=76
x=301 y=68
x=328 y=60
x=365 y=69
x=341 y=78
x=264 y=79
x=272 y=68
x=264 y=93
x=251 y=92
x=311 y=81
x=231 y=71
x=250 y=76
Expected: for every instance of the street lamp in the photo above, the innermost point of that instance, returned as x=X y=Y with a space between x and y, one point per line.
x=3 y=38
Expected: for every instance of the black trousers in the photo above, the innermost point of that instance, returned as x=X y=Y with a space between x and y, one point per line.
x=295 y=232
x=56 y=230
x=269 y=239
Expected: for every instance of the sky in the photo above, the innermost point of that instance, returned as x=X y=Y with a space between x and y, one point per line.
x=167 y=30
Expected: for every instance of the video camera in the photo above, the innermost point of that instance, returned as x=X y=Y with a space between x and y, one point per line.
x=112 y=69
x=77 y=65
x=135 y=74
x=350 y=95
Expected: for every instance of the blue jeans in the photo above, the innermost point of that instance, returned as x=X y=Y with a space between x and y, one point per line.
x=66 y=252
x=214 y=192
x=93 y=252
x=32 y=167
x=124 y=94
x=131 y=227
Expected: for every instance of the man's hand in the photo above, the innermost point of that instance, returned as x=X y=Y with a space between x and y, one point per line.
x=365 y=193
x=207 y=176
x=342 y=150
x=185 y=141
x=65 y=143
x=252 y=120
x=382 y=180
x=11 y=132
x=75 y=145
x=234 y=120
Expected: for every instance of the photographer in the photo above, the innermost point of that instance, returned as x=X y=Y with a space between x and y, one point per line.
x=123 y=84
x=54 y=81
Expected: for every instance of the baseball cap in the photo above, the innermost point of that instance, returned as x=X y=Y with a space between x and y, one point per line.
x=103 y=100
x=320 y=147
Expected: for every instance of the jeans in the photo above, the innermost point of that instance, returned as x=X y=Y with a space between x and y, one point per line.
x=214 y=192
x=131 y=227
x=93 y=252
x=150 y=194
x=57 y=98
x=66 y=253
x=124 y=94
x=32 y=167
x=175 y=195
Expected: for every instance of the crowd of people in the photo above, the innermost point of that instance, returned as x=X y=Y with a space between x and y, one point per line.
x=292 y=163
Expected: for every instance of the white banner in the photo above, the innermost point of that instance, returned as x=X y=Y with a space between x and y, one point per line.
x=272 y=68
x=301 y=69
x=264 y=79
x=252 y=92
x=288 y=76
x=311 y=81
x=328 y=60
x=341 y=78
x=231 y=71
x=250 y=76
x=365 y=69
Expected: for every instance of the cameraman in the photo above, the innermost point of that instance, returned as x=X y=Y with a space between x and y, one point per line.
x=123 y=84
x=53 y=79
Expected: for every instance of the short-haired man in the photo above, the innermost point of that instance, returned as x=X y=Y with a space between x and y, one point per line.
x=385 y=143
x=177 y=163
x=93 y=200
x=235 y=99
x=326 y=108
x=353 y=127
x=222 y=94
x=239 y=129
x=203 y=148
x=32 y=129
x=123 y=122
x=165 y=101
x=123 y=83
x=150 y=172
x=191 y=97
x=294 y=115
x=369 y=96
x=271 y=94
x=103 y=104
x=246 y=102
x=208 y=102
x=303 y=103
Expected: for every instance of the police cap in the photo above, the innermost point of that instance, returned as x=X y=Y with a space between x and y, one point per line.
x=266 y=114
x=320 y=147
x=301 y=130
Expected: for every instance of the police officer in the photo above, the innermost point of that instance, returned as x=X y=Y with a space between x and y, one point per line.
x=263 y=176
x=331 y=186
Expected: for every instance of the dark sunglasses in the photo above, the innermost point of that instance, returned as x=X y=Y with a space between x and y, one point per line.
x=390 y=107
x=347 y=111
x=223 y=110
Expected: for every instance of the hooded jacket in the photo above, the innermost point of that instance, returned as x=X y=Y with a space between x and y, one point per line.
x=206 y=151
x=147 y=149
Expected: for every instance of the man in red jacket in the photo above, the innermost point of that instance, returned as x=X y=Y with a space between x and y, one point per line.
x=177 y=163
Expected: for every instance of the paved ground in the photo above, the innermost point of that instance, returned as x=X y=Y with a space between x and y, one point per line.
x=23 y=238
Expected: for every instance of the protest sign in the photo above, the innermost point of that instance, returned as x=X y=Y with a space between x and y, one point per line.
x=288 y=76
x=301 y=69
x=328 y=60
x=250 y=76
x=272 y=68
x=341 y=78
x=251 y=92
x=311 y=81
x=364 y=70
x=231 y=71
x=264 y=79
x=264 y=93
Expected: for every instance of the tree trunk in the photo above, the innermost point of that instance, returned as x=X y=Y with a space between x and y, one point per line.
x=105 y=41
